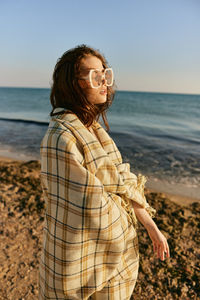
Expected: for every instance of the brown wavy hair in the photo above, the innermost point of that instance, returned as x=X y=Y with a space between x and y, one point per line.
x=67 y=93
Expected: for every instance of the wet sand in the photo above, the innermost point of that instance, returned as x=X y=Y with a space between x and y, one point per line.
x=21 y=226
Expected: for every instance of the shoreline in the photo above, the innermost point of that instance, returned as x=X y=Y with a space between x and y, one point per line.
x=177 y=193
x=152 y=186
x=177 y=199
x=6 y=155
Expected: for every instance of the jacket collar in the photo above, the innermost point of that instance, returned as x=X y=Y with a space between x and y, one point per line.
x=80 y=131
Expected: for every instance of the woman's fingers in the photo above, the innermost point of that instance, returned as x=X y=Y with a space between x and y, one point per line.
x=160 y=245
x=162 y=256
x=166 y=253
x=161 y=250
x=167 y=250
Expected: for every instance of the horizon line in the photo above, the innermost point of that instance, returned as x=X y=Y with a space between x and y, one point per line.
x=134 y=91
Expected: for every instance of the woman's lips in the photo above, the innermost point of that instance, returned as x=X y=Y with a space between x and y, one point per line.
x=103 y=92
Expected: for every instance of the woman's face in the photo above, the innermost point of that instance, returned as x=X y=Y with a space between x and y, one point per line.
x=94 y=95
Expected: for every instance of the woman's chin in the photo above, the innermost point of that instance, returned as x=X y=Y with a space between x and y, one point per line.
x=101 y=99
x=98 y=100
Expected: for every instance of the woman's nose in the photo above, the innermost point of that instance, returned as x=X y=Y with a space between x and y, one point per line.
x=103 y=80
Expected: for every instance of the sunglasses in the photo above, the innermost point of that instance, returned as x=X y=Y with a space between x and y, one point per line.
x=96 y=77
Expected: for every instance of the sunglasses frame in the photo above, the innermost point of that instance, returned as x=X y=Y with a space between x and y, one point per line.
x=89 y=76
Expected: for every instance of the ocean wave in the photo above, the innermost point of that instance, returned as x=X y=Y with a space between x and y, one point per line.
x=40 y=123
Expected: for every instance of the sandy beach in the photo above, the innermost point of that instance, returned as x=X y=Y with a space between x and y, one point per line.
x=21 y=226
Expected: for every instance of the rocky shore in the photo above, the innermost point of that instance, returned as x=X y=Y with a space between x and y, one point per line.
x=21 y=225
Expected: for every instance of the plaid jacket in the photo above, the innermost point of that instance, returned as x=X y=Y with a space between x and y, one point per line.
x=89 y=233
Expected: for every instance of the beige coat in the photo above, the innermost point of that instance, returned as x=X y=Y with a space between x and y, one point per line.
x=90 y=228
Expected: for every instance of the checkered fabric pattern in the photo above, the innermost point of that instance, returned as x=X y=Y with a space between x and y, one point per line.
x=89 y=236
x=116 y=290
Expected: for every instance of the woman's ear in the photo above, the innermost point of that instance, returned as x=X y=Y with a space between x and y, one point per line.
x=82 y=83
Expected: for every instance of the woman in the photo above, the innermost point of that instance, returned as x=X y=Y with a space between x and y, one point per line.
x=93 y=201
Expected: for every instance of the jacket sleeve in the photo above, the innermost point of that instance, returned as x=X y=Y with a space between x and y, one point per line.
x=84 y=235
x=134 y=187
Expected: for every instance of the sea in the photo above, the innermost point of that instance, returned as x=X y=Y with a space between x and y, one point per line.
x=157 y=133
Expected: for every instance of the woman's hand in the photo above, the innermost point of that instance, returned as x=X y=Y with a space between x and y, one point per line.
x=160 y=245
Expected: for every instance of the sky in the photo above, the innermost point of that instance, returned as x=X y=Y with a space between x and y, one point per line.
x=152 y=45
